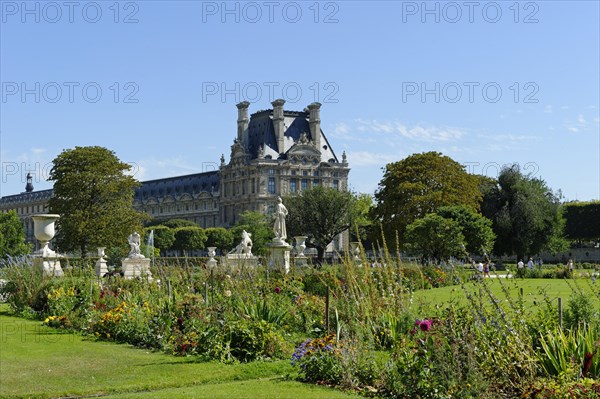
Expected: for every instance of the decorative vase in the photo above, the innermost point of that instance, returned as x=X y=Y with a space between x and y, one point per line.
x=43 y=229
x=212 y=252
x=211 y=262
x=300 y=245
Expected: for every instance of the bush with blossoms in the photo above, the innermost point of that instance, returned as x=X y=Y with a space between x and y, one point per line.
x=378 y=340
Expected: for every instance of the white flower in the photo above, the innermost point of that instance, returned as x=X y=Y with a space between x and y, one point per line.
x=227 y=293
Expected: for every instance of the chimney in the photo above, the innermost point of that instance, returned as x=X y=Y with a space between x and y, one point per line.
x=314 y=121
x=278 y=124
x=242 y=121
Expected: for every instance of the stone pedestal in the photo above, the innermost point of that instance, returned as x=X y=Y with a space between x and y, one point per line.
x=136 y=267
x=101 y=267
x=50 y=266
x=238 y=261
x=300 y=259
x=279 y=255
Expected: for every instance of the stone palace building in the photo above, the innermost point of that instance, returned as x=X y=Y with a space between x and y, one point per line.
x=275 y=153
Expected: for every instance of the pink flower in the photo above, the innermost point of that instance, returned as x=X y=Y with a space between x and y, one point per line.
x=425 y=325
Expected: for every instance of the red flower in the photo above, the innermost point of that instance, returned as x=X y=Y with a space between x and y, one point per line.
x=277 y=290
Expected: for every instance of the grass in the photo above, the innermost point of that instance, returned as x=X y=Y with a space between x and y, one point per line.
x=41 y=362
x=532 y=291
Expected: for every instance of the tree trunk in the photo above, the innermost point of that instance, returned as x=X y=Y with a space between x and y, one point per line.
x=320 y=253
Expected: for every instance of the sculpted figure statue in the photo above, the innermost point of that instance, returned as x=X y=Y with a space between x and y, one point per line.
x=245 y=246
x=280 y=213
x=134 y=243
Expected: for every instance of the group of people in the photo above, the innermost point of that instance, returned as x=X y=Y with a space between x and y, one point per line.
x=483 y=268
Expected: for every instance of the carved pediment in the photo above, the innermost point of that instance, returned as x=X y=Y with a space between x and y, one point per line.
x=303 y=152
x=186 y=197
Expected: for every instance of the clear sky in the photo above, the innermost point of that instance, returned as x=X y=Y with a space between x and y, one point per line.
x=486 y=83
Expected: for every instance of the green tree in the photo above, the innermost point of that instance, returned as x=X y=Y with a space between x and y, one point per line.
x=435 y=238
x=172 y=223
x=189 y=238
x=477 y=229
x=362 y=228
x=525 y=214
x=164 y=237
x=419 y=185
x=582 y=220
x=12 y=235
x=321 y=214
x=257 y=224
x=219 y=237
x=94 y=196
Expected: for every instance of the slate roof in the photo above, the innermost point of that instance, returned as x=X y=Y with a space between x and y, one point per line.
x=29 y=197
x=177 y=185
x=261 y=130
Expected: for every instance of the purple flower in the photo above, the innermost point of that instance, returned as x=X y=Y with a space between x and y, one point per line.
x=425 y=325
x=277 y=290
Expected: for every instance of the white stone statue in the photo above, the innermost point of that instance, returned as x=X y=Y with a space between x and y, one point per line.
x=245 y=246
x=135 y=242
x=279 y=228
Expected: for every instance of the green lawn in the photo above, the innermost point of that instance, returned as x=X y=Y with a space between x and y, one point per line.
x=554 y=288
x=41 y=362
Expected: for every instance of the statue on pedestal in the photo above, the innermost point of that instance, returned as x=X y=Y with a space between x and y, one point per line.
x=279 y=228
x=135 y=242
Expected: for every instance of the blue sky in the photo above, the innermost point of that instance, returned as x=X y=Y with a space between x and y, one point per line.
x=486 y=83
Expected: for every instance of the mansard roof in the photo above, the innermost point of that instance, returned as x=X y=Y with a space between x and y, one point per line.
x=261 y=131
x=176 y=186
x=28 y=197
x=179 y=185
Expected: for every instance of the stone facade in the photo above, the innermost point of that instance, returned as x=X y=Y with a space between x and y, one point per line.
x=275 y=153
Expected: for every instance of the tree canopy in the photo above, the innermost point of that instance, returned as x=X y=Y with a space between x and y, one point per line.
x=219 y=237
x=164 y=237
x=435 y=237
x=476 y=229
x=189 y=238
x=320 y=214
x=419 y=185
x=525 y=214
x=582 y=220
x=94 y=196
x=12 y=235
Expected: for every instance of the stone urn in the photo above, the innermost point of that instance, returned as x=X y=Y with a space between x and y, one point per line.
x=43 y=229
x=46 y=259
x=211 y=262
x=300 y=246
x=212 y=252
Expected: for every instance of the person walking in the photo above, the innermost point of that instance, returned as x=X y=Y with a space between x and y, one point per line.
x=520 y=266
